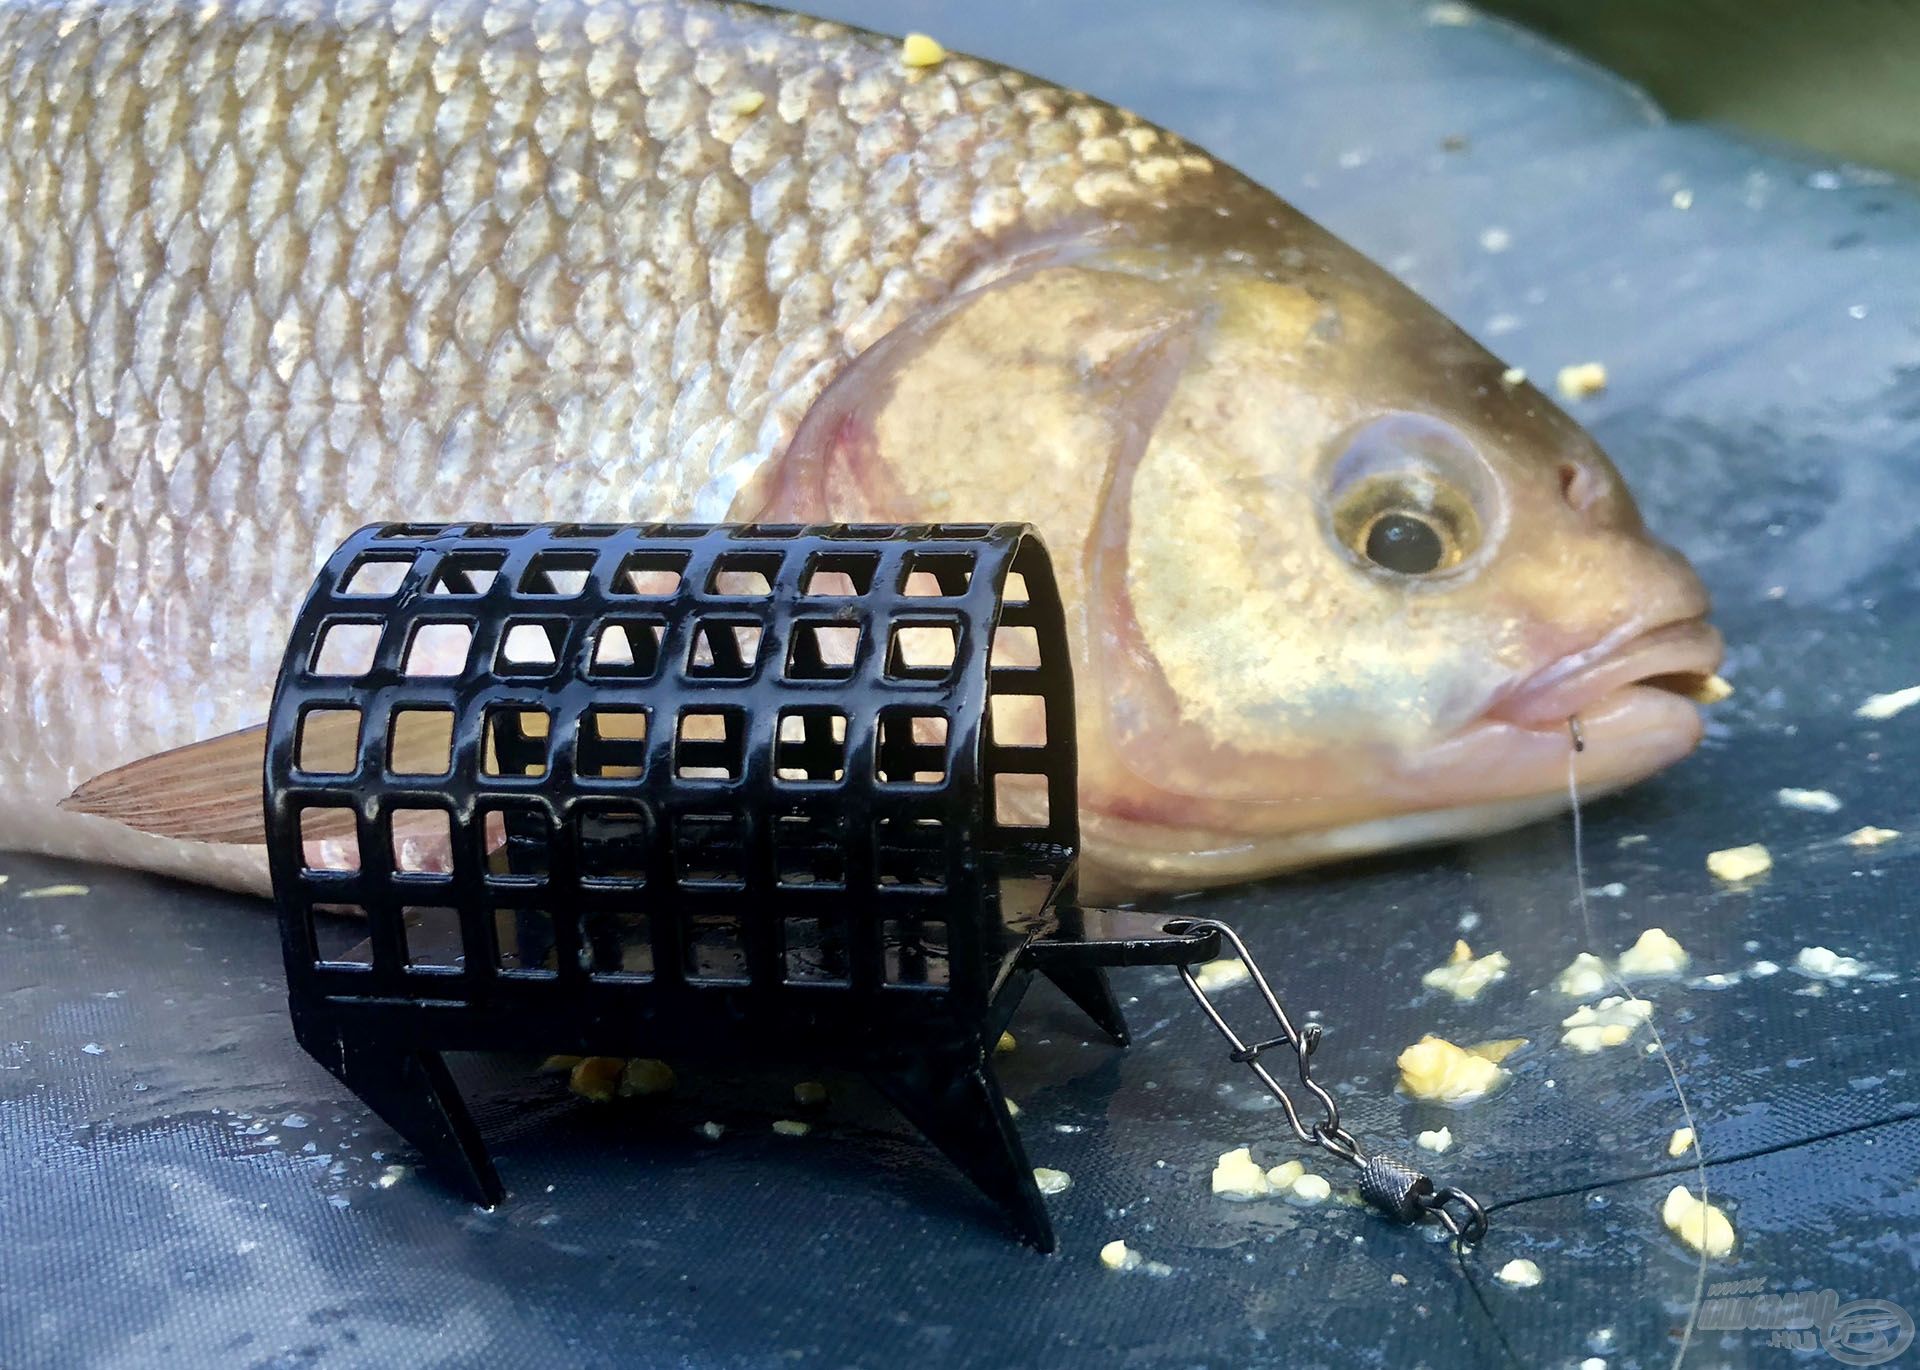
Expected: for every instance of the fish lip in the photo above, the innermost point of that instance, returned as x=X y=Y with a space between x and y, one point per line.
x=1684 y=649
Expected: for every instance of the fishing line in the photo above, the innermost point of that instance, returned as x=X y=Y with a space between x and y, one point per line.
x=1666 y=1057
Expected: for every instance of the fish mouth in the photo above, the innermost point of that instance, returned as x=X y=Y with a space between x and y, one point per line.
x=1677 y=658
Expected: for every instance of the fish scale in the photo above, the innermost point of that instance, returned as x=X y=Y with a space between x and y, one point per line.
x=269 y=272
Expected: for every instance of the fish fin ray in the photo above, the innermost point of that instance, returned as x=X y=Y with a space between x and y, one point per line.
x=207 y=791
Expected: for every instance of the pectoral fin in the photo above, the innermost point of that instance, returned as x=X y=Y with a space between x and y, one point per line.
x=204 y=792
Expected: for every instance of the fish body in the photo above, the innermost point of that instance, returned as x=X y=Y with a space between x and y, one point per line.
x=273 y=271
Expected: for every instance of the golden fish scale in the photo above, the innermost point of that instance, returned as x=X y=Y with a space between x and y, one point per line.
x=270 y=272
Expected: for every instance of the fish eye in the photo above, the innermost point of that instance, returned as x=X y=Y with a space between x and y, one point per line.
x=1406 y=496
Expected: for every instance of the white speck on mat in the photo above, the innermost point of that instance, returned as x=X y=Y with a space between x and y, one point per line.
x=1521 y=1274
x=1809 y=801
x=1052 y=1181
x=1881 y=707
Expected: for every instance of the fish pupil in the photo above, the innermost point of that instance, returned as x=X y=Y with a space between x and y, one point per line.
x=1403 y=543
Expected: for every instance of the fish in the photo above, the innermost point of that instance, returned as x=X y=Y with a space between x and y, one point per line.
x=273 y=270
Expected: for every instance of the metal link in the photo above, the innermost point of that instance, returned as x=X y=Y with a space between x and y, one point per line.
x=1389 y=1185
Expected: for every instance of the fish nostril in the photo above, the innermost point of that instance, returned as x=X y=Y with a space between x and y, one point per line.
x=1579 y=487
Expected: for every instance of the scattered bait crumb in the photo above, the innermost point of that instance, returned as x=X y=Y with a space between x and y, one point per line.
x=1870 y=836
x=1683 y=198
x=1734 y=864
x=1397 y=1278
x=1608 y=1024
x=56 y=892
x=1311 y=1189
x=1764 y=968
x=94 y=1049
x=1681 y=1142
x=390 y=1177
x=4 y=879
x=1465 y=975
x=1700 y=1225
x=1712 y=689
x=1594 y=1363
x=1521 y=1274
x=918 y=50
x=748 y=102
x=1117 y=1255
x=1222 y=974
x=643 y=1076
x=1878 y=707
x=812 y=1093
x=1235 y=1176
x=1283 y=1175
x=1811 y=801
x=1449 y=15
x=1613 y=889
x=1584 y=977
x=1495 y=239
x=1434 y=1068
x=1513 y=377
x=1051 y=1181
x=1581 y=381
x=1013 y=1109
x=1497 y=1051
x=562 y=1065
x=792 y=1127
x=1827 y=964
x=1656 y=953
x=597 y=1077
x=1435 y=1140
x=1005 y=1044
x=713 y=1132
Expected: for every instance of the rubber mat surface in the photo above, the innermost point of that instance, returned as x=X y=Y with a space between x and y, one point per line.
x=180 y=1184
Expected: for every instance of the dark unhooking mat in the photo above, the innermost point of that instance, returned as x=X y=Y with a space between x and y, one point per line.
x=179 y=1184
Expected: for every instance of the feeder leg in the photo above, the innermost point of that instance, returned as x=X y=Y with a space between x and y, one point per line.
x=961 y=1110
x=1089 y=987
x=414 y=1094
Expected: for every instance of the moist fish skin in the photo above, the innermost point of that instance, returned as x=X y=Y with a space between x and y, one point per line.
x=273 y=271
x=270 y=272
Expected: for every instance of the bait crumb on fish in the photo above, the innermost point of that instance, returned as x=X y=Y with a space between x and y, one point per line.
x=57 y=892
x=920 y=50
x=1734 y=864
x=1656 y=953
x=1465 y=975
x=1681 y=1142
x=1513 y=377
x=1882 y=707
x=1583 y=380
x=1809 y=801
x=1583 y=979
x=1520 y=1273
x=1434 y=1068
x=1609 y=1023
x=1051 y=1181
x=747 y=102
x=1699 y=1224
x=1870 y=836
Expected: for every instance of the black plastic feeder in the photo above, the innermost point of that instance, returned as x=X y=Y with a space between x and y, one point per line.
x=735 y=793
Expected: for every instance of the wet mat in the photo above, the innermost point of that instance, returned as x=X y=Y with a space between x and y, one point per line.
x=179 y=1183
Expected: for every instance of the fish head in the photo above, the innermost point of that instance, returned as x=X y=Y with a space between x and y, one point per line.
x=1336 y=582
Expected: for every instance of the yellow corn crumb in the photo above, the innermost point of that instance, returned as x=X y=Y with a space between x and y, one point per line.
x=791 y=1127
x=1434 y=1068
x=1051 y=1181
x=1699 y=1224
x=1881 y=707
x=1117 y=1255
x=810 y=1093
x=1711 y=690
x=1513 y=376
x=1827 y=963
x=748 y=102
x=597 y=1077
x=1013 y=1109
x=1607 y=1024
x=1311 y=1189
x=1465 y=975
x=1497 y=1051
x=1283 y=1175
x=1005 y=1044
x=1579 y=381
x=643 y=1076
x=918 y=50
x=1656 y=953
x=1584 y=977
x=1235 y=1176
x=1222 y=974
x=1522 y=1274
x=561 y=1064
x=1734 y=864
x=1870 y=836
x=1681 y=1142
x=56 y=892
